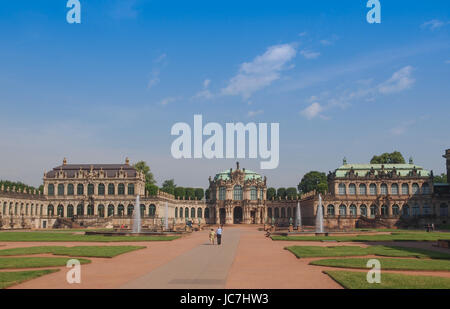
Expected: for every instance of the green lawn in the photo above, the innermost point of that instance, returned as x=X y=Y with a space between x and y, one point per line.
x=387 y=263
x=357 y=280
x=59 y=237
x=317 y=251
x=86 y=251
x=8 y=279
x=31 y=262
x=394 y=236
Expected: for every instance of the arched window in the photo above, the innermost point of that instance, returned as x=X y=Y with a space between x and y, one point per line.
x=110 y=210
x=222 y=193
x=384 y=211
x=80 y=189
x=152 y=210
x=362 y=189
x=130 y=189
x=206 y=213
x=192 y=212
x=405 y=210
x=90 y=210
x=176 y=212
x=181 y=212
x=415 y=188
x=130 y=210
x=142 y=208
x=373 y=189
x=237 y=193
x=4 y=208
x=121 y=189
x=353 y=210
x=199 y=213
x=283 y=213
x=341 y=189
x=121 y=210
x=186 y=212
x=90 y=189
x=395 y=210
x=373 y=210
x=41 y=209
x=352 y=189
x=269 y=212
x=101 y=209
x=342 y=210
x=70 y=190
x=394 y=189
x=277 y=213
x=80 y=210
x=111 y=190
x=70 y=211
x=50 y=210
x=253 y=193
x=101 y=189
x=425 y=188
x=60 y=211
x=60 y=189
x=289 y=212
x=384 y=189
x=51 y=189
x=330 y=210
x=405 y=189
x=416 y=210
x=443 y=210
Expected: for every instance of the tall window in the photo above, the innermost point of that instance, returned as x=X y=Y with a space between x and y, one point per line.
x=110 y=210
x=90 y=210
x=405 y=210
x=206 y=213
x=121 y=189
x=384 y=189
x=60 y=189
x=425 y=188
x=101 y=210
x=373 y=189
x=443 y=210
x=283 y=213
x=384 y=210
x=269 y=212
x=373 y=210
x=342 y=210
x=111 y=189
x=60 y=211
x=192 y=212
x=121 y=210
x=51 y=189
x=186 y=212
x=362 y=189
x=237 y=193
x=181 y=212
x=261 y=194
x=80 y=189
x=405 y=189
x=395 y=210
x=415 y=188
x=130 y=189
x=352 y=189
x=80 y=210
x=394 y=189
x=199 y=213
x=277 y=213
x=90 y=189
x=70 y=190
x=253 y=193
x=50 y=210
x=70 y=211
x=330 y=210
x=352 y=210
x=341 y=189
x=101 y=189
x=176 y=212
x=222 y=193
x=416 y=210
x=130 y=210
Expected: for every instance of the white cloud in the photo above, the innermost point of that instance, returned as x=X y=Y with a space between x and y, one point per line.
x=161 y=58
x=154 y=79
x=309 y=54
x=261 y=72
x=434 y=24
x=168 y=100
x=399 y=81
x=255 y=113
x=206 y=83
x=312 y=111
x=205 y=93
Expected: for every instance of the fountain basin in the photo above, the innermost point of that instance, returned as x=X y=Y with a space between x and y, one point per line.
x=130 y=233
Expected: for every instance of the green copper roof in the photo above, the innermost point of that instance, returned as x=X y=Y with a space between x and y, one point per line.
x=363 y=169
x=225 y=175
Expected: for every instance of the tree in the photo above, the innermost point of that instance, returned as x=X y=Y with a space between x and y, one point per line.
x=168 y=186
x=311 y=181
x=207 y=193
x=291 y=193
x=440 y=178
x=151 y=189
x=199 y=193
x=388 y=158
x=281 y=193
x=271 y=192
x=179 y=192
x=144 y=168
x=190 y=193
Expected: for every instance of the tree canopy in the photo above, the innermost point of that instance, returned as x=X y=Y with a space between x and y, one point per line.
x=144 y=168
x=313 y=181
x=19 y=186
x=440 y=178
x=271 y=192
x=168 y=186
x=388 y=158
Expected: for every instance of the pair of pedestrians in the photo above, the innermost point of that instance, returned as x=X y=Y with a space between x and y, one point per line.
x=217 y=234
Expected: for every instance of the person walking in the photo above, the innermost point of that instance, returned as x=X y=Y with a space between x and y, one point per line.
x=212 y=236
x=219 y=235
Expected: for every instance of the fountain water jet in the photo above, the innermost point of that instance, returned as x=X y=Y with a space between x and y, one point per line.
x=137 y=216
x=299 y=216
x=319 y=217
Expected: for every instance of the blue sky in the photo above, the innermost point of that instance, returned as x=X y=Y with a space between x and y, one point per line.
x=113 y=86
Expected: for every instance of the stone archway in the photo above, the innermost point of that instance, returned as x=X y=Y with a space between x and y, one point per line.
x=222 y=216
x=237 y=215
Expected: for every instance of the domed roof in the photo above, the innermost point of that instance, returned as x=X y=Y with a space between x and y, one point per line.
x=225 y=175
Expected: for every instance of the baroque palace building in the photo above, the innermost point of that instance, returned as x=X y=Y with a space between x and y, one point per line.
x=104 y=195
